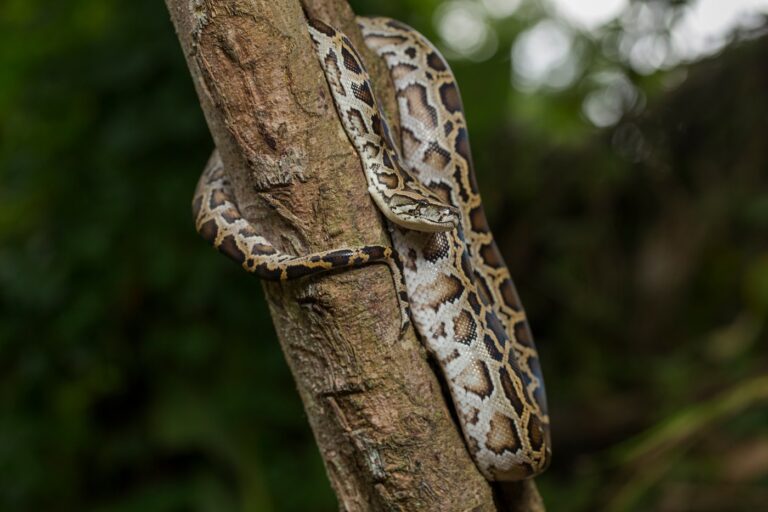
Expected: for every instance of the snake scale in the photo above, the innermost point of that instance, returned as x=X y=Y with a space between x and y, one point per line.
x=449 y=274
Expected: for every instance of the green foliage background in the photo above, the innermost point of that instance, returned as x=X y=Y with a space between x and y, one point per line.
x=140 y=370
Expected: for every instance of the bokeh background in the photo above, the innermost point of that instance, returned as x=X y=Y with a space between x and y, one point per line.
x=622 y=153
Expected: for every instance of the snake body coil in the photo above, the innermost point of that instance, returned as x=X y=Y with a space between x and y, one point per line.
x=456 y=287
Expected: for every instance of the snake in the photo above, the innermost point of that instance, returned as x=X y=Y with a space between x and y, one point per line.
x=448 y=272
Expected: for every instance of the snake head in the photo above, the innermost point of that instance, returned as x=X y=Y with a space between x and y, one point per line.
x=424 y=214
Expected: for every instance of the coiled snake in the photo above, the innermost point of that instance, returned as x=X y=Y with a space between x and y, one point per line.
x=449 y=274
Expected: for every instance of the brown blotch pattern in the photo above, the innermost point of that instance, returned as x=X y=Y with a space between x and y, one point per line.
x=523 y=334
x=466 y=263
x=209 y=231
x=377 y=126
x=247 y=231
x=321 y=27
x=387 y=160
x=437 y=157
x=436 y=247
x=363 y=93
x=478 y=220
x=418 y=104
x=495 y=325
x=447 y=127
x=350 y=61
x=357 y=122
x=230 y=214
x=458 y=175
x=535 y=433
x=509 y=294
x=389 y=180
x=268 y=273
x=436 y=62
x=502 y=436
x=443 y=192
x=294 y=271
x=464 y=328
x=461 y=145
x=445 y=289
x=509 y=390
x=262 y=250
x=229 y=247
x=494 y=351
x=476 y=378
x=449 y=94
x=482 y=289
x=474 y=302
x=491 y=256
x=218 y=198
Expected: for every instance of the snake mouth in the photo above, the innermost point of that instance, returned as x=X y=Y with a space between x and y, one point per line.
x=418 y=214
x=431 y=217
x=446 y=216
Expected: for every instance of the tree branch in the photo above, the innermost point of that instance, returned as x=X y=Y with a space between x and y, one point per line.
x=375 y=407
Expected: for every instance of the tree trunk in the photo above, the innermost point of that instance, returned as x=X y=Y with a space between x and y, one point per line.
x=376 y=409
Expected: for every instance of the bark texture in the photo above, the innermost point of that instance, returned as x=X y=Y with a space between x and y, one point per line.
x=375 y=407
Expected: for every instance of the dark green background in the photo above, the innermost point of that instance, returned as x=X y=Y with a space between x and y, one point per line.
x=140 y=370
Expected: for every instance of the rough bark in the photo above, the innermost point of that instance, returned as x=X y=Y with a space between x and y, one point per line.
x=375 y=407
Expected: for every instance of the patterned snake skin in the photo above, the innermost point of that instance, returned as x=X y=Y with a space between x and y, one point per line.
x=461 y=297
